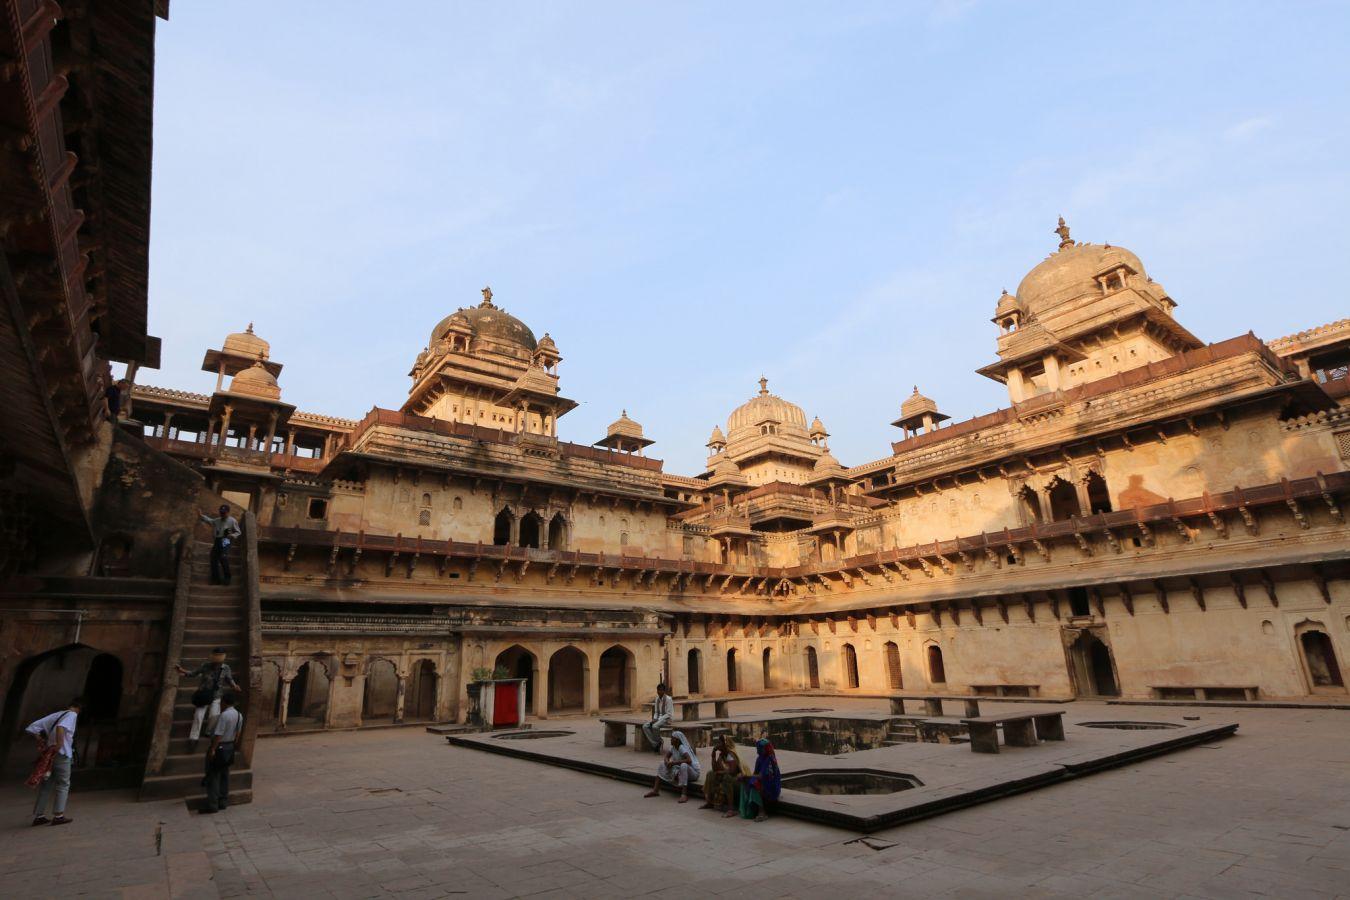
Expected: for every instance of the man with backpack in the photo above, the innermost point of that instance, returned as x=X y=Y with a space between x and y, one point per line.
x=220 y=756
x=224 y=532
x=213 y=678
x=55 y=736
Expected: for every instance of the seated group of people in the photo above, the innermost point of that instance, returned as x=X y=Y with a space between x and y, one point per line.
x=731 y=788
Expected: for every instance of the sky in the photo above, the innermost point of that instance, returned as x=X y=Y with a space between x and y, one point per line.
x=689 y=196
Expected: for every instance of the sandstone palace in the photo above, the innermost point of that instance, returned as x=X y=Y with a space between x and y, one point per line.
x=1149 y=515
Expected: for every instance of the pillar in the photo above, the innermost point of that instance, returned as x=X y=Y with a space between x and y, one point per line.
x=1084 y=505
x=225 y=424
x=591 y=670
x=399 y=697
x=290 y=442
x=436 y=712
x=541 y=684
x=284 y=702
x=1016 y=387
x=514 y=541
x=271 y=433
x=252 y=437
x=220 y=376
x=1052 y=371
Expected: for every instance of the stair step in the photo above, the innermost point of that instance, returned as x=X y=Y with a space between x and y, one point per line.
x=237 y=798
x=189 y=784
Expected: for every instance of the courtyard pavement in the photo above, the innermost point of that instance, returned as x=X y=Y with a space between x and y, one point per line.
x=400 y=812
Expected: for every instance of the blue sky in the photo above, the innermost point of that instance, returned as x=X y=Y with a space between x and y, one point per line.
x=687 y=196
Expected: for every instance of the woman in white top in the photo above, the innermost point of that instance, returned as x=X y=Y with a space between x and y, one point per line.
x=679 y=766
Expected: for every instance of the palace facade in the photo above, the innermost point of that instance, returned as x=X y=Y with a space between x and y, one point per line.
x=1148 y=516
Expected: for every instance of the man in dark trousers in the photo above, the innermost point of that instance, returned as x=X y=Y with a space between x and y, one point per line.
x=220 y=755
x=224 y=532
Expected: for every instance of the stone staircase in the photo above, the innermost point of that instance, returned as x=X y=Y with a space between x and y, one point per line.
x=217 y=616
x=901 y=731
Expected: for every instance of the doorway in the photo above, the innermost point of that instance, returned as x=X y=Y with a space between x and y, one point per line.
x=1093 y=670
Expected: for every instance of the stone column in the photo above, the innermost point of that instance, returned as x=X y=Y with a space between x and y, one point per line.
x=168 y=422
x=399 y=697
x=1084 y=504
x=591 y=698
x=290 y=442
x=1052 y=371
x=514 y=540
x=225 y=424
x=284 y=702
x=541 y=685
x=252 y=437
x=436 y=713
x=1016 y=387
x=271 y=433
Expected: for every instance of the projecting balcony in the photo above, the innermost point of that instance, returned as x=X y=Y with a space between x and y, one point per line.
x=833 y=519
x=729 y=524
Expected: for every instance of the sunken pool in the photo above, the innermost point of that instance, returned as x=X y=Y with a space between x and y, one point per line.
x=529 y=735
x=1131 y=726
x=849 y=782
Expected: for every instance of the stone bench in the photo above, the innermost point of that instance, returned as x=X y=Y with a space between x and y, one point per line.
x=932 y=703
x=1019 y=729
x=616 y=728
x=1203 y=692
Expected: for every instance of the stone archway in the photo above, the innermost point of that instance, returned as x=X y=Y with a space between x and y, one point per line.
x=695 y=665
x=557 y=532
x=420 y=701
x=937 y=667
x=307 y=699
x=42 y=684
x=1092 y=667
x=502 y=526
x=567 y=681
x=531 y=530
x=1321 y=667
x=1062 y=499
x=618 y=672
x=849 y=659
x=520 y=663
x=379 y=700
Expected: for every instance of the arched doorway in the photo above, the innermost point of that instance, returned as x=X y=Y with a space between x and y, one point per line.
x=695 y=672
x=44 y=684
x=557 y=532
x=1319 y=660
x=937 y=670
x=520 y=663
x=1030 y=504
x=502 y=526
x=893 y=676
x=617 y=673
x=381 y=694
x=768 y=669
x=531 y=529
x=567 y=681
x=1099 y=498
x=812 y=669
x=102 y=690
x=1063 y=498
x=850 y=666
x=1094 y=672
x=420 y=702
x=307 y=703
x=733 y=683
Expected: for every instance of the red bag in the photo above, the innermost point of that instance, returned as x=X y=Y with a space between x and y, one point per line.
x=42 y=768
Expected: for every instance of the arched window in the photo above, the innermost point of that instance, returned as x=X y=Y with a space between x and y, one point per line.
x=557 y=532
x=768 y=669
x=695 y=672
x=1063 y=498
x=937 y=672
x=850 y=666
x=1320 y=658
x=893 y=675
x=1099 y=498
x=531 y=527
x=732 y=681
x=1030 y=504
x=502 y=527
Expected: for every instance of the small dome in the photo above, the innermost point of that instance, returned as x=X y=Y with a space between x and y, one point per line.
x=625 y=426
x=827 y=462
x=818 y=428
x=765 y=407
x=546 y=343
x=917 y=404
x=246 y=343
x=1070 y=273
x=725 y=467
x=489 y=321
x=717 y=439
x=1007 y=304
x=256 y=381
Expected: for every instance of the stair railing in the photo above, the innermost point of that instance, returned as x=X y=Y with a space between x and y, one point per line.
x=253 y=639
x=162 y=724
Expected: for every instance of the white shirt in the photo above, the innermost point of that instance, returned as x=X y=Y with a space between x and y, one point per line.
x=663 y=709
x=47 y=725
x=228 y=726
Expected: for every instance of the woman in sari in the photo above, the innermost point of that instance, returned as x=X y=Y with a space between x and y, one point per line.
x=679 y=766
x=719 y=789
x=760 y=790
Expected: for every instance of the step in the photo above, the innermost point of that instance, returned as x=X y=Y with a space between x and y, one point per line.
x=237 y=798
x=189 y=784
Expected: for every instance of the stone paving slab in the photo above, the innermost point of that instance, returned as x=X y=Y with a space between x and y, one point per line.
x=353 y=815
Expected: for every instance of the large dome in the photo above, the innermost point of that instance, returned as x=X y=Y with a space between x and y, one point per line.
x=1069 y=273
x=765 y=408
x=488 y=321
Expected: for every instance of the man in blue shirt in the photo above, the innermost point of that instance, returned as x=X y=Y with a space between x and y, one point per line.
x=56 y=731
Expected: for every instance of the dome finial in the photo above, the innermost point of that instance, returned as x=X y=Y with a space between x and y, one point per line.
x=487 y=292
x=763 y=386
x=249 y=329
x=1063 y=232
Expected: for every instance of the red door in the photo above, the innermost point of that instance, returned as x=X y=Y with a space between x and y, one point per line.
x=506 y=703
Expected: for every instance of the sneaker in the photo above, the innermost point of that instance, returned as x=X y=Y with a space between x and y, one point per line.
x=41 y=820
x=61 y=820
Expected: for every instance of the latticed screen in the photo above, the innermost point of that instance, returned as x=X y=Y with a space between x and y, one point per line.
x=1343 y=443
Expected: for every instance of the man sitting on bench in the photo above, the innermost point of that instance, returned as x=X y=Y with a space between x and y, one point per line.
x=663 y=711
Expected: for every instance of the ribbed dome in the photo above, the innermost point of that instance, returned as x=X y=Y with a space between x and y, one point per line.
x=1070 y=273
x=246 y=343
x=765 y=408
x=490 y=322
x=256 y=381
